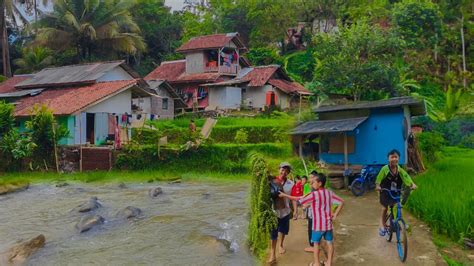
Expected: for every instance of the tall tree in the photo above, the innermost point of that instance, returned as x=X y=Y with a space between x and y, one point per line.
x=92 y=28
x=357 y=61
x=33 y=59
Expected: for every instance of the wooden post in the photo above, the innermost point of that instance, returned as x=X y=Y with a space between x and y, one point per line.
x=55 y=149
x=219 y=60
x=299 y=112
x=346 y=162
x=80 y=158
x=301 y=154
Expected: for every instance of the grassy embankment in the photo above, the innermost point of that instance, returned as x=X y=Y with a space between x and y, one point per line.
x=220 y=160
x=445 y=199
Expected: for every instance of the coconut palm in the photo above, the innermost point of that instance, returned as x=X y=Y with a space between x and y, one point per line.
x=91 y=27
x=34 y=59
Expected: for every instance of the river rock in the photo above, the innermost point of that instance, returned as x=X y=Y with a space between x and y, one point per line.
x=129 y=212
x=91 y=205
x=154 y=192
x=177 y=181
x=13 y=187
x=206 y=195
x=89 y=221
x=18 y=254
x=62 y=184
x=122 y=185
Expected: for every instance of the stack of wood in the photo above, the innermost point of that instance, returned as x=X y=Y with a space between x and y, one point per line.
x=415 y=161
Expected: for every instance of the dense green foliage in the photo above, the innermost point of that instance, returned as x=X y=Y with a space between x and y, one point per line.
x=228 y=158
x=430 y=145
x=445 y=195
x=262 y=217
x=358 y=61
x=45 y=133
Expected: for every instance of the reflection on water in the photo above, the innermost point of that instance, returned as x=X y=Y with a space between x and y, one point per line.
x=193 y=224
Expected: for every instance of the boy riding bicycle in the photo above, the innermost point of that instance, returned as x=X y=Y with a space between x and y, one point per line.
x=391 y=177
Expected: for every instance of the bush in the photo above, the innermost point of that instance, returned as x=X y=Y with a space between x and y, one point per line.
x=228 y=158
x=431 y=144
x=455 y=132
x=256 y=134
x=241 y=136
x=45 y=132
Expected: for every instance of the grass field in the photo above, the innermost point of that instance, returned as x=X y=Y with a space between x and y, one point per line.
x=445 y=197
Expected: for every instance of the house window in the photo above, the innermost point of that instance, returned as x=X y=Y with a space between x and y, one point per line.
x=165 y=104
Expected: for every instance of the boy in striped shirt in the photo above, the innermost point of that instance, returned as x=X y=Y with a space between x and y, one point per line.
x=321 y=201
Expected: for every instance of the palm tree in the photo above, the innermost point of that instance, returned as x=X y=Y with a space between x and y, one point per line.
x=91 y=27
x=34 y=59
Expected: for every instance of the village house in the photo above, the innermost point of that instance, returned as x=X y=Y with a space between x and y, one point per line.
x=92 y=101
x=359 y=134
x=215 y=75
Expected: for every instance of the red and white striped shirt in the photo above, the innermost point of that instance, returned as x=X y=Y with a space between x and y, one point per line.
x=321 y=201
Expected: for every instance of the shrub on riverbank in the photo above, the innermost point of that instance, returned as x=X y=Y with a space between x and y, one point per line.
x=228 y=158
x=445 y=195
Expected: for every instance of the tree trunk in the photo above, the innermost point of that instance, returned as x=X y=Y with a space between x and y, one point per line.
x=463 y=53
x=4 y=41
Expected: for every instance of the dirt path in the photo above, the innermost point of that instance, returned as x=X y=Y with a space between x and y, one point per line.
x=357 y=240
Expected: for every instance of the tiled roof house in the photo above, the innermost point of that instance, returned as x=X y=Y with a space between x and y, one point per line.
x=215 y=75
x=91 y=100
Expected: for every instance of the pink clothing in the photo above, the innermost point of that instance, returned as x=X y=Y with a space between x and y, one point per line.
x=321 y=202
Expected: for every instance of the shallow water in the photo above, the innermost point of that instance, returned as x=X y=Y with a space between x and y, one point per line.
x=189 y=224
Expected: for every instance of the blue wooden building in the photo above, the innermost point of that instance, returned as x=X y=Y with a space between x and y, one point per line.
x=360 y=133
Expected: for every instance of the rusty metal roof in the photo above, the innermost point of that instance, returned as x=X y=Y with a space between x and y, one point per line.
x=328 y=126
x=155 y=84
x=72 y=75
x=213 y=41
x=417 y=107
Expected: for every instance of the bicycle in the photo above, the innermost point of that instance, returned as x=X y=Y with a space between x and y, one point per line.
x=397 y=225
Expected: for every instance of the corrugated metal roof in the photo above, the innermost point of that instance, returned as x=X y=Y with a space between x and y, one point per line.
x=328 y=126
x=9 y=84
x=417 y=107
x=20 y=93
x=70 y=75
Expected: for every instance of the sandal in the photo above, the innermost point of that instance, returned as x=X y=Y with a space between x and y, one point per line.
x=382 y=231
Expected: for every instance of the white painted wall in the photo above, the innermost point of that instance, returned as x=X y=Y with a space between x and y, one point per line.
x=257 y=95
x=144 y=103
x=283 y=99
x=118 y=104
x=117 y=73
x=195 y=62
x=224 y=98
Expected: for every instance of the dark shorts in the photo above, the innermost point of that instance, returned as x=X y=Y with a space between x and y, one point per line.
x=386 y=200
x=282 y=227
x=318 y=235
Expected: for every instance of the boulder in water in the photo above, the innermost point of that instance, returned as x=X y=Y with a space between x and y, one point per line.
x=154 y=192
x=18 y=254
x=62 y=184
x=129 y=212
x=89 y=221
x=122 y=185
x=91 y=205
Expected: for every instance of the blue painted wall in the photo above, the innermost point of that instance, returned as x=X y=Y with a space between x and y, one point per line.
x=374 y=138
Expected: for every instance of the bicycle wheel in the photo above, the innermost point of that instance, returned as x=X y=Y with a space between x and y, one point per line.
x=402 y=240
x=389 y=228
x=357 y=188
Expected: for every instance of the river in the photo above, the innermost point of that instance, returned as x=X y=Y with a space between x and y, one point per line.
x=189 y=224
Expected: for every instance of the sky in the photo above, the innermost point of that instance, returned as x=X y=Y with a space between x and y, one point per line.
x=175 y=4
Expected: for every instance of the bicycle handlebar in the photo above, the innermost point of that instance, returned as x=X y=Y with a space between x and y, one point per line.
x=390 y=193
